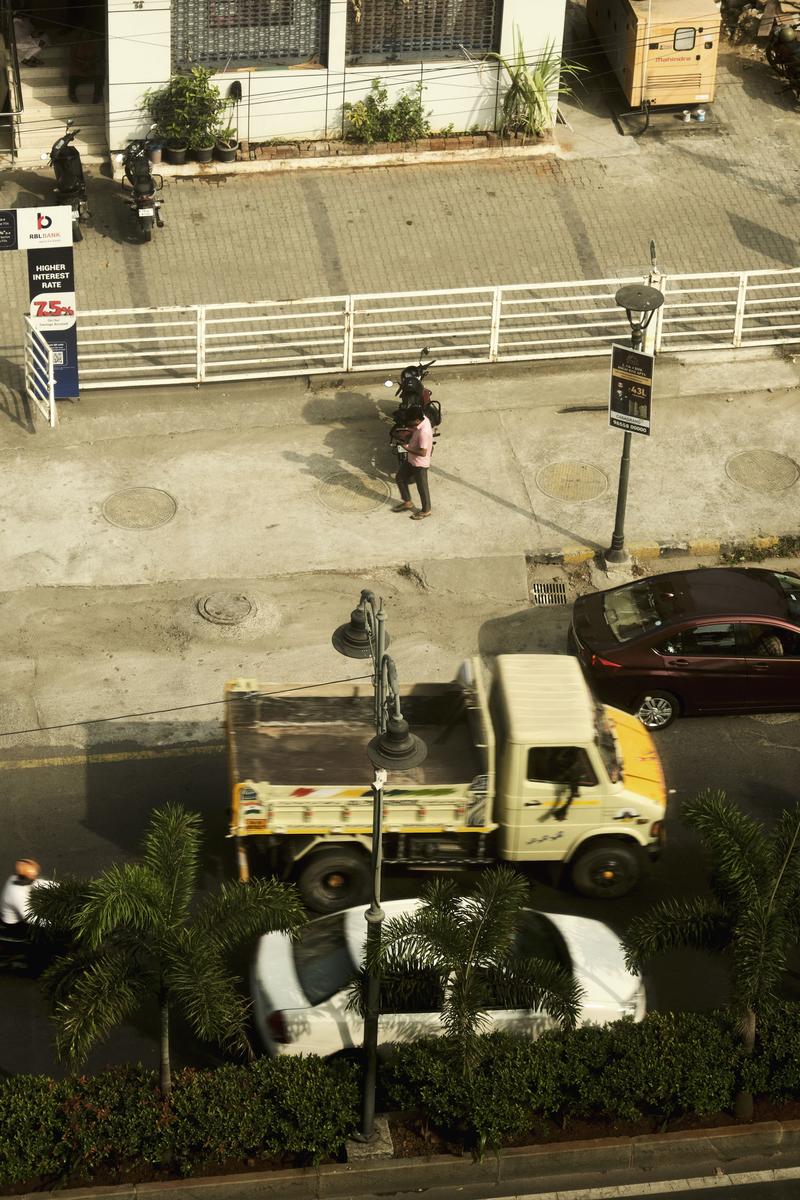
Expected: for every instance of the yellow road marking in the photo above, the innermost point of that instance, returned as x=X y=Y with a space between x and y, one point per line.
x=71 y=760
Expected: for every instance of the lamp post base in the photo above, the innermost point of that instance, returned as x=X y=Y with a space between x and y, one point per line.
x=617 y=558
x=378 y=1145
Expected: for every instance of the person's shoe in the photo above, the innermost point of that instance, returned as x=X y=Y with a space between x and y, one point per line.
x=404 y=507
x=419 y=516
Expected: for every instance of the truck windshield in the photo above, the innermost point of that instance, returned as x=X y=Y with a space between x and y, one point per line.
x=322 y=959
x=606 y=744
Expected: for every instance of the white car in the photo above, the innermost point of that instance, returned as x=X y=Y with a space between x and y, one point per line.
x=301 y=989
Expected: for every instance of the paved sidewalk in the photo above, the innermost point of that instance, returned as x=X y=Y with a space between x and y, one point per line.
x=713 y=201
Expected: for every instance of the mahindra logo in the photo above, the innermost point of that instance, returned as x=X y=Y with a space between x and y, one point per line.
x=43 y=221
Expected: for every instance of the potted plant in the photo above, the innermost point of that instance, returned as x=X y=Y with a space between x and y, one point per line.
x=226 y=145
x=187 y=112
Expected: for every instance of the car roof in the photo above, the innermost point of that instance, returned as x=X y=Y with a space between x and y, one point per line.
x=722 y=591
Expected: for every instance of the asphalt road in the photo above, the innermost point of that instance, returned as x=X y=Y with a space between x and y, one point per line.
x=80 y=816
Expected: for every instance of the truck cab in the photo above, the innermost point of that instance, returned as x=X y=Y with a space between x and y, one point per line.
x=576 y=781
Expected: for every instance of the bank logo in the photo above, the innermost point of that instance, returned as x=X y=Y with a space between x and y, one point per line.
x=43 y=221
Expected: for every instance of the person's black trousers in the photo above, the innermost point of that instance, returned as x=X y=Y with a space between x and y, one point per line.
x=419 y=475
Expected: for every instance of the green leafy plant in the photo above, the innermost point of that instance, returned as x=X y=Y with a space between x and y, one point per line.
x=138 y=932
x=374 y=119
x=532 y=86
x=189 y=110
x=467 y=943
x=752 y=917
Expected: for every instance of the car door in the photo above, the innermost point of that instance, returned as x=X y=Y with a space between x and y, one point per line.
x=772 y=653
x=706 y=667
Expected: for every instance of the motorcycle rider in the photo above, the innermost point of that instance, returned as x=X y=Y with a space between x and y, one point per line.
x=16 y=897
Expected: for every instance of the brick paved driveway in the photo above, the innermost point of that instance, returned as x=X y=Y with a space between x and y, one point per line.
x=712 y=201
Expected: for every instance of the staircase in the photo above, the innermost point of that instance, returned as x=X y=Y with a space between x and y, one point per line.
x=47 y=106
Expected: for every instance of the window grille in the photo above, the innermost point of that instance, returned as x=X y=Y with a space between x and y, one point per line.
x=213 y=33
x=420 y=28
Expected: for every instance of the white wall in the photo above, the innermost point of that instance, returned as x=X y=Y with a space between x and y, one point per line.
x=303 y=102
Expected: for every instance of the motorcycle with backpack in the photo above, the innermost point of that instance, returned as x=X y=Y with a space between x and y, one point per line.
x=412 y=393
x=143 y=185
x=65 y=159
x=783 y=55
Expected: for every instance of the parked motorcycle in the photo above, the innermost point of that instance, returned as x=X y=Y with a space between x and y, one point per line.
x=783 y=55
x=412 y=392
x=143 y=185
x=65 y=159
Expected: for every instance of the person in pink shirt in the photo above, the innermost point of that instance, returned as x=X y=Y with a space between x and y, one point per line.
x=415 y=469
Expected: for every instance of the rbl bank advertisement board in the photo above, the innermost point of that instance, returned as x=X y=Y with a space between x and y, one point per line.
x=46 y=234
x=630 y=401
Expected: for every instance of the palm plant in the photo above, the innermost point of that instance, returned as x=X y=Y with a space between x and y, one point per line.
x=751 y=916
x=137 y=932
x=532 y=86
x=461 y=950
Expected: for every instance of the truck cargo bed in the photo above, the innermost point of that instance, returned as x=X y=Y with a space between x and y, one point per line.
x=321 y=740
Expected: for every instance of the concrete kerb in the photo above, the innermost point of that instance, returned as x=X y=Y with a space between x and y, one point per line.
x=741 y=549
x=396 y=158
x=523 y=1167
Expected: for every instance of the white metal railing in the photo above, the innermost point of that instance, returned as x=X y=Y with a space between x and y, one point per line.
x=40 y=373
x=333 y=334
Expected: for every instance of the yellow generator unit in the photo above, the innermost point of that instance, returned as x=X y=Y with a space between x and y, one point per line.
x=663 y=52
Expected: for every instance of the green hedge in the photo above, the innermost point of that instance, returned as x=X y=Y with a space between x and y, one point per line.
x=669 y=1064
x=115 y=1122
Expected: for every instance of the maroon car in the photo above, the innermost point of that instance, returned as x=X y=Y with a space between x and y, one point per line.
x=722 y=640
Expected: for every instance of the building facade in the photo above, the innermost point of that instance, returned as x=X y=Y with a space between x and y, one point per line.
x=299 y=61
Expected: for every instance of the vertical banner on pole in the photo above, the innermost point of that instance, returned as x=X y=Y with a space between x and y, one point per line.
x=630 y=402
x=46 y=234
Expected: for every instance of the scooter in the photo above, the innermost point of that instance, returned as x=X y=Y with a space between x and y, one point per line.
x=65 y=159
x=143 y=201
x=412 y=393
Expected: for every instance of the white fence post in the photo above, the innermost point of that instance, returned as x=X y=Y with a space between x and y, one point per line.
x=494 y=334
x=200 y=342
x=741 y=301
x=652 y=340
x=349 y=332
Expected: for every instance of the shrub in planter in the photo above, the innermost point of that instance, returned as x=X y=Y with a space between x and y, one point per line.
x=226 y=145
x=187 y=111
x=374 y=119
x=31 y=1124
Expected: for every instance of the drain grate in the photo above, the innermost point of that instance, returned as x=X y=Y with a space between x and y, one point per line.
x=549 y=593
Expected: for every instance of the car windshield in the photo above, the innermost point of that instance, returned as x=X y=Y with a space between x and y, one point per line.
x=789 y=587
x=536 y=937
x=639 y=608
x=606 y=744
x=322 y=959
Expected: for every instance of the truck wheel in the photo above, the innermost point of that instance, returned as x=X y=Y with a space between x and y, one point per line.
x=334 y=879
x=607 y=868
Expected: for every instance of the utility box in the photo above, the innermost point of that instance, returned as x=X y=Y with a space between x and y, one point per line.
x=663 y=52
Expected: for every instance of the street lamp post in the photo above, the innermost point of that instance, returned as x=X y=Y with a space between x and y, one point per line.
x=393 y=747
x=640 y=303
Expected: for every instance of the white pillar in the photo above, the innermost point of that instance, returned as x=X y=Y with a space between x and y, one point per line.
x=337 y=72
x=139 y=57
x=538 y=23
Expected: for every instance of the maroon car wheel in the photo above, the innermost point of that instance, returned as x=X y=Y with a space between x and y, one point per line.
x=657 y=710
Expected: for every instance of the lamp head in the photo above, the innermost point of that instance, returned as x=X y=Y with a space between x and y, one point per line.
x=639 y=301
x=398 y=749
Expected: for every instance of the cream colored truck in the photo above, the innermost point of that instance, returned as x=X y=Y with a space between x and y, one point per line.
x=522 y=766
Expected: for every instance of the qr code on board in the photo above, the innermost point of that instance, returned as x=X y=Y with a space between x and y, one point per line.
x=58 y=358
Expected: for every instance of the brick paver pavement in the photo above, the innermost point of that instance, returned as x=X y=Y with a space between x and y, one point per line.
x=712 y=201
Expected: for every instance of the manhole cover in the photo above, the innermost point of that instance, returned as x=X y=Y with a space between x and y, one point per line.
x=225 y=608
x=762 y=470
x=139 y=508
x=349 y=491
x=549 y=593
x=571 y=481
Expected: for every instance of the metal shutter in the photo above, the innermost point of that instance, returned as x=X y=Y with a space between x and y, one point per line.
x=213 y=33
